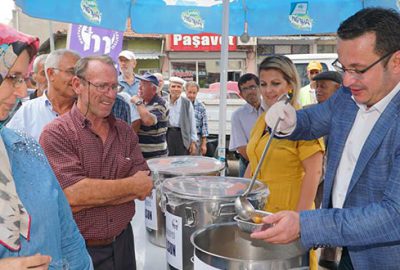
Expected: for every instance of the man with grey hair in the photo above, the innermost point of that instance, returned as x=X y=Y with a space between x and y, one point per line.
x=160 y=86
x=39 y=76
x=181 y=133
x=56 y=100
x=99 y=165
x=200 y=113
x=127 y=80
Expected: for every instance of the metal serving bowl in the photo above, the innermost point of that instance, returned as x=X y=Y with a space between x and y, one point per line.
x=249 y=226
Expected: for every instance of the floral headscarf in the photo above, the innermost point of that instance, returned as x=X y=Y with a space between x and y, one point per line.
x=12 y=43
x=14 y=219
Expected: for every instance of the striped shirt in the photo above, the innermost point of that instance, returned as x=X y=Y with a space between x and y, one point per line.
x=153 y=139
x=201 y=118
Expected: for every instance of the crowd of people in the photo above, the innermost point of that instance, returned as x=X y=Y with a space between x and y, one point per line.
x=73 y=156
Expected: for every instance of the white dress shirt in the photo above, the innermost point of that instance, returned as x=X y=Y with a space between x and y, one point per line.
x=363 y=124
x=33 y=116
x=174 y=113
x=242 y=122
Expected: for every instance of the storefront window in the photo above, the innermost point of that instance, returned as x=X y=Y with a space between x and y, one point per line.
x=205 y=72
x=184 y=70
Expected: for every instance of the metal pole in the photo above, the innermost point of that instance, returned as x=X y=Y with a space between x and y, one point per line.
x=223 y=81
x=51 y=36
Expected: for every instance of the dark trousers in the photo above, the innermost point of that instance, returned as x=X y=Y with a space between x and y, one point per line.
x=175 y=142
x=243 y=163
x=345 y=261
x=120 y=255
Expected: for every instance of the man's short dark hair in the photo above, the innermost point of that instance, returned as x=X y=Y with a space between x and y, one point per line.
x=247 y=77
x=385 y=23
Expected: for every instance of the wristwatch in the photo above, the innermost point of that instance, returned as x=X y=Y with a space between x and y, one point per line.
x=139 y=102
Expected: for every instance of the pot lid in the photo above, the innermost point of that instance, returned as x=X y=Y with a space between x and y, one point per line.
x=210 y=187
x=185 y=165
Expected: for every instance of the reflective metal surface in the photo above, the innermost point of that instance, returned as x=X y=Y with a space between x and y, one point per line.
x=165 y=168
x=224 y=246
x=198 y=201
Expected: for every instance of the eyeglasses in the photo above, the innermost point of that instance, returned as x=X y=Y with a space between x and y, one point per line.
x=251 y=87
x=353 y=71
x=102 y=87
x=17 y=79
x=69 y=71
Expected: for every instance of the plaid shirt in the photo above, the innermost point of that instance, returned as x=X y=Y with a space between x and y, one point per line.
x=75 y=152
x=201 y=118
x=121 y=109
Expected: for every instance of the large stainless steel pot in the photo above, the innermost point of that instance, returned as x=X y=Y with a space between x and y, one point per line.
x=225 y=246
x=168 y=167
x=193 y=202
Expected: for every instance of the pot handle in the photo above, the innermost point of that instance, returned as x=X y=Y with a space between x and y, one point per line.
x=190 y=217
x=228 y=212
x=163 y=202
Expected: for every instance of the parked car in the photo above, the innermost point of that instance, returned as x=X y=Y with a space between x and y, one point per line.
x=301 y=61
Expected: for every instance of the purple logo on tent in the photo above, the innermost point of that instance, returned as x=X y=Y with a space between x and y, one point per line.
x=90 y=40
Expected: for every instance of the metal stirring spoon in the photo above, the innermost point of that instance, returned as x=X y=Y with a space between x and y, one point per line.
x=243 y=207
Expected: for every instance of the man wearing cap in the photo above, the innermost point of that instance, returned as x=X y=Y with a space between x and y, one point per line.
x=127 y=80
x=307 y=93
x=326 y=84
x=153 y=113
x=181 y=134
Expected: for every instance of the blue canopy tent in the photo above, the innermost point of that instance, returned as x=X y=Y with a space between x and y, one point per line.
x=226 y=17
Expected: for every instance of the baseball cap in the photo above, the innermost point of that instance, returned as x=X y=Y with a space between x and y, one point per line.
x=148 y=77
x=330 y=76
x=177 y=80
x=314 y=65
x=127 y=54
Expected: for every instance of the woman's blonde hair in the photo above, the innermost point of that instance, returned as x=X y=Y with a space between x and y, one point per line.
x=288 y=70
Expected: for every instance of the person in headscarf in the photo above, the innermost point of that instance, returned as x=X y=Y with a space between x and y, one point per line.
x=35 y=217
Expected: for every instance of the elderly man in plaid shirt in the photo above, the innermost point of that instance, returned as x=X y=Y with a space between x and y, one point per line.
x=192 y=88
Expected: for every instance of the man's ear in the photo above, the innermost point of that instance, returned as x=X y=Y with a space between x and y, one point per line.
x=50 y=72
x=76 y=85
x=395 y=62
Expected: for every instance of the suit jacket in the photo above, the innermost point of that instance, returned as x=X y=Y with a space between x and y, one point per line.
x=369 y=223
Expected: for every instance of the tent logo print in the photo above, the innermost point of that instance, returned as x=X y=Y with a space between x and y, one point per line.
x=192 y=19
x=299 y=18
x=91 y=11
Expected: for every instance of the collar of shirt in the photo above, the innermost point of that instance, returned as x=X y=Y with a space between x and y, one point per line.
x=47 y=102
x=121 y=79
x=250 y=109
x=85 y=123
x=381 y=105
x=176 y=103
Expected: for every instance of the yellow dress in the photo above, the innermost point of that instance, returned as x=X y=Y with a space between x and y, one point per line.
x=282 y=170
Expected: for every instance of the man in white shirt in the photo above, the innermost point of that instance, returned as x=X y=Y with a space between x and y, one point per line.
x=181 y=134
x=361 y=201
x=243 y=118
x=56 y=100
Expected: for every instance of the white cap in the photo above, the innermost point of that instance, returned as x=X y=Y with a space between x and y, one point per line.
x=177 y=80
x=127 y=54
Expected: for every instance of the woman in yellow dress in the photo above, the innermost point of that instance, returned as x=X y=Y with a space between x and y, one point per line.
x=291 y=169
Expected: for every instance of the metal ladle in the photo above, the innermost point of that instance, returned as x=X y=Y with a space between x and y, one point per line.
x=243 y=207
